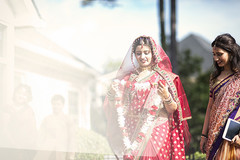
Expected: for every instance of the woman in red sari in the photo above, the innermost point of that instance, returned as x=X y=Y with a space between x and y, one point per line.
x=146 y=106
x=223 y=100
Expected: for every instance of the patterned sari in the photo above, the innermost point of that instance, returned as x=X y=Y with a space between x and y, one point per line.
x=139 y=127
x=225 y=94
x=164 y=139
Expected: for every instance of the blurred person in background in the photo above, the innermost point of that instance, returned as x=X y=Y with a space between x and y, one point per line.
x=18 y=126
x=57 y=134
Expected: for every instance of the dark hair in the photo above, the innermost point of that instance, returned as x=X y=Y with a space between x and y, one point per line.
x=142 y=41
x=58 y=97
x=227 y=43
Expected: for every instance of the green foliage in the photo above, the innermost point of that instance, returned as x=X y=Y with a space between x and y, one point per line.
x=91 y=146
x=200 y=156
x=189 y=65
x=196 y=86
x=198 y=99
x=197 y=156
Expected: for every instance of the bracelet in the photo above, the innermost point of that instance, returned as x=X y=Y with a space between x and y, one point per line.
x=110 y=96
x=203 y=135
x=168 y=100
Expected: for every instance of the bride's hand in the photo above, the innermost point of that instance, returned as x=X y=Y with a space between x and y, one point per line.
x=113 y=87
x=112 y=91
x=163 y=90
x=169 y=103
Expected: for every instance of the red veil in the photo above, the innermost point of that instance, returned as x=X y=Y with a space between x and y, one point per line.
x=162 y=65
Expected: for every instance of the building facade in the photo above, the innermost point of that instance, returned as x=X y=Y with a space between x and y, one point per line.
x=28 y=57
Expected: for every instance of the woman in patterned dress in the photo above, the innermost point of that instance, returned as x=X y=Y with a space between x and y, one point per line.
x=223 y=100
x=146 y=106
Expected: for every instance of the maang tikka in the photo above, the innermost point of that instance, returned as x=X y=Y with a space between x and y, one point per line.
x=141 y=42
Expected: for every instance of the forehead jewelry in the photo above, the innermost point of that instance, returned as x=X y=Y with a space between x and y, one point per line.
x=141 y=42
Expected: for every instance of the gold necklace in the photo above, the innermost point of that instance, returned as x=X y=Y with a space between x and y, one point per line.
x=144 y=68
x=143 y=74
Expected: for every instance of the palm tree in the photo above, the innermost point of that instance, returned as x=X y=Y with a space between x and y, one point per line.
x=162 y=23
x=173 y=43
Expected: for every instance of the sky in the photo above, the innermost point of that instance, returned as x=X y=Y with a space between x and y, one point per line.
x=98 y=34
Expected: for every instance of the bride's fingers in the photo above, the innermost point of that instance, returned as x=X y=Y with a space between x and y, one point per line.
x=159 y=91
x=160 y=84
x=162 y=88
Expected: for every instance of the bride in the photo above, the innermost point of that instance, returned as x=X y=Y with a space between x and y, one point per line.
x=146 y=106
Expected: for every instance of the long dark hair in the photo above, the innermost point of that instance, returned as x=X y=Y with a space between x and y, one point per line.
x=227 y=43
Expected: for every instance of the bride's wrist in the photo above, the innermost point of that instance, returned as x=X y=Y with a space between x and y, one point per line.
x=167 y=100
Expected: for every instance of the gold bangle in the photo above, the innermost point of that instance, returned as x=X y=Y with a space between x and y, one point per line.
x=168 y=100
x=110 y=96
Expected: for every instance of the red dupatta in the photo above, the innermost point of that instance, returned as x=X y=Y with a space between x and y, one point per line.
x=162 y=65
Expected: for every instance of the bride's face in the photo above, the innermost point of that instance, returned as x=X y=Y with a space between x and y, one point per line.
x=143 y=55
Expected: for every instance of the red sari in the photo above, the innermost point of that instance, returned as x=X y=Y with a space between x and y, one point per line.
x=139 y=126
